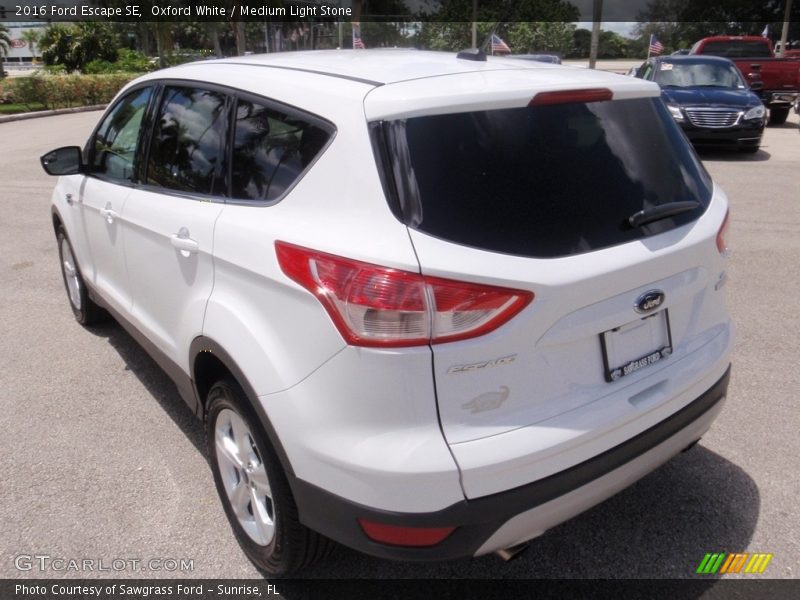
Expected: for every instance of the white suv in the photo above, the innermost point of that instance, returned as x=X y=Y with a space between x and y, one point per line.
x=429 y=305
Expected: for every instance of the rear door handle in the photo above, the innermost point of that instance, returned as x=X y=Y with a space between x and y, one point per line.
x=184 y=243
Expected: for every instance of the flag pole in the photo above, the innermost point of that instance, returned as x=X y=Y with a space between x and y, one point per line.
x=649 y=45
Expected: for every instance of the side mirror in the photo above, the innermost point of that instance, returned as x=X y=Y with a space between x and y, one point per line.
x=757 y=86
x=63 y=161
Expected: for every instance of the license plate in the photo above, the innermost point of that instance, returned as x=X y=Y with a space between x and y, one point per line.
x=636 y=345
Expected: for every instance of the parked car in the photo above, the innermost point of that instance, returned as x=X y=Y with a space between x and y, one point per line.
x=428 y=305
x=710 y=100
x=777 y=80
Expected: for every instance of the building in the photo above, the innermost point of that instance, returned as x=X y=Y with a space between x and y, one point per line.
x=20 y=53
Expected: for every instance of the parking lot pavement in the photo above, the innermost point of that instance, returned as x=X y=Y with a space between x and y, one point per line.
x=100 y=459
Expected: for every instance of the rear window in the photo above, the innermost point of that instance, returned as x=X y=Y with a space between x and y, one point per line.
x=543 y=181
x=737 y=49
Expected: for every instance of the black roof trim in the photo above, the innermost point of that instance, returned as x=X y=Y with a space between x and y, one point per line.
x=286 y=68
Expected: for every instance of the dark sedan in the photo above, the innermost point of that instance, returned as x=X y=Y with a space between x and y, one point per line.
x=709 y=98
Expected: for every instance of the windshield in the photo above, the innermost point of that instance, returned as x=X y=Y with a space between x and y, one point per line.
x=699 y=75
x=541 y=181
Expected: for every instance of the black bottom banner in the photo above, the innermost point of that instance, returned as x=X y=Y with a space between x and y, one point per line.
x=438 y=589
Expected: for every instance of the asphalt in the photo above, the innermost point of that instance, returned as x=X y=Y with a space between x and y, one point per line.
x=100 y=459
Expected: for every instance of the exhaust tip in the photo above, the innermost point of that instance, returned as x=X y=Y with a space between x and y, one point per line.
x=512 y=552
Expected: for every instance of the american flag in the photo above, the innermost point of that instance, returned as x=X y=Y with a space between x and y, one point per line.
x=656 y=47
x=498 y=45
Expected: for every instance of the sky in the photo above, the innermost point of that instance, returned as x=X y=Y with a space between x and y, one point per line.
x=624 y=28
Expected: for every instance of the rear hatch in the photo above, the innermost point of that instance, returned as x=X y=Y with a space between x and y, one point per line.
x=538 y=195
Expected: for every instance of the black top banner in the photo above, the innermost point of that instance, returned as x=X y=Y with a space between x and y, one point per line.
x=397 y=10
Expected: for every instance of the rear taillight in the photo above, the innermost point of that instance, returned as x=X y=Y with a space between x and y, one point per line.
x=722 y=245
x=378 y=306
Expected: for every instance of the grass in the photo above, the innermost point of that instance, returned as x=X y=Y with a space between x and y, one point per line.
x=12 y=109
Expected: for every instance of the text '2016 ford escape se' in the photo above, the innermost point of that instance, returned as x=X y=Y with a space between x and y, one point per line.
x=429 y=306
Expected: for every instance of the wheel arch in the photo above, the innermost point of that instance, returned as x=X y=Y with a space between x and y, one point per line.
x=56 y=219
x=210 y=362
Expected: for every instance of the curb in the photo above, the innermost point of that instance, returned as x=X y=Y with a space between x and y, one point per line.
x=50 y=113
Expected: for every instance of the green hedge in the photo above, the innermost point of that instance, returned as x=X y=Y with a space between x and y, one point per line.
x=63 y=91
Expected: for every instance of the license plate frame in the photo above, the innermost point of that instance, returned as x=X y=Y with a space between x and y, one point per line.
x=613 y=337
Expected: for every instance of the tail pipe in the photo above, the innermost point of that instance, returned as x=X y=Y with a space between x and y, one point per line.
x=512 y=552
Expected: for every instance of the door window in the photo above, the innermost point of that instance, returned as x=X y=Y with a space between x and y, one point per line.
x=271 y=151
x=118 y=136
x=187 y=152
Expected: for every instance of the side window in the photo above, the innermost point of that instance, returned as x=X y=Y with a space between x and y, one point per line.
x=186 y=151
x=117 y=139
x=270 y=151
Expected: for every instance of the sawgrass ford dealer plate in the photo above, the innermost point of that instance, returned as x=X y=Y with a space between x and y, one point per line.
x=636 y=345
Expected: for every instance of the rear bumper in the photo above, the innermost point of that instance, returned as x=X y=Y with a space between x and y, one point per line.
x=780 y=98
x=507 y=518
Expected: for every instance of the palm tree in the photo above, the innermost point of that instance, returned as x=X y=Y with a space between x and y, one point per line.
x=5 y=46
x=32 y=37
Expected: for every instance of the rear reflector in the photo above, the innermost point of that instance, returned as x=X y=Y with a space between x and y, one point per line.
x=722 y=245
x=378 y=306
x=570 y=96
x=395 y=535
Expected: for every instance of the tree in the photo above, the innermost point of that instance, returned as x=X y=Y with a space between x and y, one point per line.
x=75 y=45
x=612 y=45
x=55 y=46
x=31 y=36
x=93 y=40
x=581 y=42
x=5 y=47
x=445 y=29
x=680 y=23
x=543 y=36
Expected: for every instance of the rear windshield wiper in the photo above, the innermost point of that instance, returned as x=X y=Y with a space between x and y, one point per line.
x=656 y=213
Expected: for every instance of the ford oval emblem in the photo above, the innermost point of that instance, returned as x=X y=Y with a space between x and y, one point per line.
x=649 y=301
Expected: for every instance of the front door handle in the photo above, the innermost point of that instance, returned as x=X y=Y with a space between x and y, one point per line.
x=184 y=243
x=108 y=213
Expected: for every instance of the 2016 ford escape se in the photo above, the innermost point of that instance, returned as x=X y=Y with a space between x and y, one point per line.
x=429 y=306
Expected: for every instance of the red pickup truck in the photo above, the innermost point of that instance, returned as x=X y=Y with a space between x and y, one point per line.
x=776 y=80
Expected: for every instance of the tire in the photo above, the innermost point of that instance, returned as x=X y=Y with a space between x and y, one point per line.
x=84 y=308
x=750 y=149
x=778 y=115
x=253 y=487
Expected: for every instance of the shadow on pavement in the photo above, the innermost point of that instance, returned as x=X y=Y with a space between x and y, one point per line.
x=157 y=383
x=732 y=155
